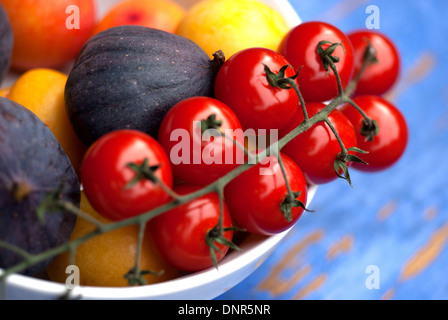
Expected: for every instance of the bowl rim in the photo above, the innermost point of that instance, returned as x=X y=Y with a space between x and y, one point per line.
x=253 y=251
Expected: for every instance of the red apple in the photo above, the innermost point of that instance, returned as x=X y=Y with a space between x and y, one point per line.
x=165 y=15
x=48 y=34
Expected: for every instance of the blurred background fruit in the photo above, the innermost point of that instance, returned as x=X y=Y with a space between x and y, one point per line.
x=6 y=42
x=4 y=92
x=43 y=33
x=233 y=25
x=42 y=91
x=159 y=14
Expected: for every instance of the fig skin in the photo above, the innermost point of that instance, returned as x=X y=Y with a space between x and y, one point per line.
x=128 y=77
x=6 y=43
x=32 y=165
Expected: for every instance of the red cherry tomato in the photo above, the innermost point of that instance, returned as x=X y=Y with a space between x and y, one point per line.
x=241 y=84
x=379 y=77
x=255 y=197
x=389 y=144
x=195 y=158
x=299 y=47
x=180 y=234
x=316 y=149
x=106 y=176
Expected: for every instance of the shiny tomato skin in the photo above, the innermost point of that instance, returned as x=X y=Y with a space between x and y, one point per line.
x=389 y=145
x=378 y=78
x=254 y=197
x=241 y=84
x=105 y=175
x=299 y=47
x=179 y=234
x=205 y=159
x=316 y=149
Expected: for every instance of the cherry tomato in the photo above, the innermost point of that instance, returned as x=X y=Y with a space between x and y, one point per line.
x=300 y=48
x=108 y=180
x=389 y=144
x=199 y=158
x=316 y=149
x=379 y=77
x=180 y=234
x=241 y=83
x=256 y=197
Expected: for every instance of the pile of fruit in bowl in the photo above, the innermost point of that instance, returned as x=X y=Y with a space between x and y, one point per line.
x=161 y=150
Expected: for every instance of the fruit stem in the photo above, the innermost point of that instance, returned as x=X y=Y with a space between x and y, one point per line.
x=294 y=85
x=369 y=58
x=21 y=190
x=370 y=128
x=328 y=60
x=68 y=206
x=135 y=275
x=213 y=123
x=341 y=159
x=216 y=234
x=280 y=81
x=218 y=60
x=290 y=196
x=333 y=67
x=344 y=151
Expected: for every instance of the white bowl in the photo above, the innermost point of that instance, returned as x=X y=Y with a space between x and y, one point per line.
x=204 y=285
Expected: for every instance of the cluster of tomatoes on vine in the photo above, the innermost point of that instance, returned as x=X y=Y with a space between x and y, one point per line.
x=127 y=173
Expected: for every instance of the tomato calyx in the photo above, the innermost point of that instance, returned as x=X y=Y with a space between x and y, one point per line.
x=290 y=202
x=278 y=80
x=216 y=235
x=369 y=129
x=135 y=276
x=370 y=57
x=326 y=55
x=210 y=123
x=142 y=171
x=342 y=160
x=370 y=54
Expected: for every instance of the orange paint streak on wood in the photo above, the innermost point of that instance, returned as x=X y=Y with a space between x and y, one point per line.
x=344 y=245
x=282 y=287
x=421 y=68
x=426 y=255
x=275 y=283
x=389 y=294
x=430 y=213
x=312 y=286
x=386 y=211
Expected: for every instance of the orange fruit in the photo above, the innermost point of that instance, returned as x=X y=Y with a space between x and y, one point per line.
x=158 y=14
x=42 y=92
x=4 y=92
x=233 y=25
x=48 y=34
x=105 y=259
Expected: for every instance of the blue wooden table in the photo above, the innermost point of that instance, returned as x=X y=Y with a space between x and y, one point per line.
x=387 y=238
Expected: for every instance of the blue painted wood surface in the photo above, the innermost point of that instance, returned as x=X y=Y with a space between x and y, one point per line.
x=391 y=230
